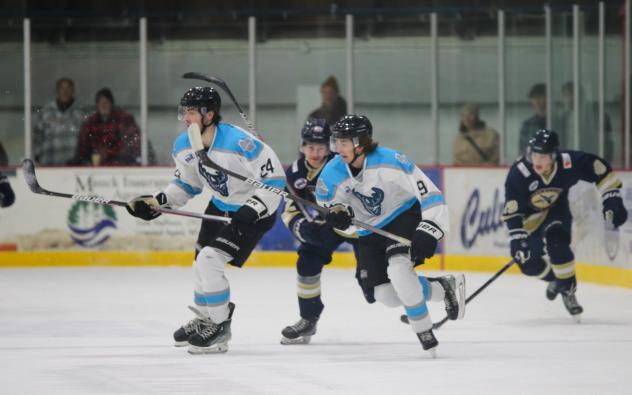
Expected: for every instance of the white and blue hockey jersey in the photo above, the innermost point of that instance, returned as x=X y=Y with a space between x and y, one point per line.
x=388 y=185
x=233 y=149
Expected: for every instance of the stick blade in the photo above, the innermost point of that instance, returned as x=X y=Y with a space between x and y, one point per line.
x=28 y=169
x=196 y=76
x=195 y=137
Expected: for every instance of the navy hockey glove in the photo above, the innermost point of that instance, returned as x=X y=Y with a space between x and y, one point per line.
x=315 y=233
x=244 y=218
x=7 y=197
x=340 y=216
x=424 y=242
x=614 y=211
x=143 y=206
x=519 y=246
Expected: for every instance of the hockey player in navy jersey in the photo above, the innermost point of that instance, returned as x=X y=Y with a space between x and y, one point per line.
x=252 y=211
x=383 y=188
x=538 y=216
x=318 y=239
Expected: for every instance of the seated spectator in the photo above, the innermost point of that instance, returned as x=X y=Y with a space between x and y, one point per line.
x=57 y=127
x=110 y=136
x=7 y=197
x=476 y=143
x=333 y=106
x=537 y=97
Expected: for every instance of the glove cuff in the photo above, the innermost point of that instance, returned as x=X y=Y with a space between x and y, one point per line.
x=518 y=234
x=432 y=229
x=613 y=193
x=257 y=205
x=296 y=229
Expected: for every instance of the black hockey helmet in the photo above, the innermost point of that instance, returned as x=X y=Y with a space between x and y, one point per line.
x=316 y=130
x=352 y=127
x=544 y=141
x=204 y=98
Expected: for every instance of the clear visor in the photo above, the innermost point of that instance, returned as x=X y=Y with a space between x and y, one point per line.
x=182 y=110
x=334 y=143
x=529 y=152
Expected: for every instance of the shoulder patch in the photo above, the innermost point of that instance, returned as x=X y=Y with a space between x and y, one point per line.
x=566 y=160
x=599 y=167
x=523 y=169
x=247 y=144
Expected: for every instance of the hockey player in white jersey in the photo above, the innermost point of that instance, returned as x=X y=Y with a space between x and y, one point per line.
x=252 y=211
x=383 y=188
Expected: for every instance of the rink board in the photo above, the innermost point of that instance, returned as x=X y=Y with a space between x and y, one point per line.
x=46 y=231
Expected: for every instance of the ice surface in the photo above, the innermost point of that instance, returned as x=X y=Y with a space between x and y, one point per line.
x=108 y=331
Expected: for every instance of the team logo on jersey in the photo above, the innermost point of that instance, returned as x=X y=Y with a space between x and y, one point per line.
x=247 y=144
x=321 y=188
x=545 y=198
x=217 y=181
x=300 y=183
x=189 y=157
x=402 y=158
x=533 y=186
x=373 y=203
x=599 y=167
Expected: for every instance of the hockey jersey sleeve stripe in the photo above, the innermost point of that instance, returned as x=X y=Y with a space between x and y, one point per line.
x=387 y=220
x=226 y=207
x=611 y=181
x=186 y=187
x=431 y=201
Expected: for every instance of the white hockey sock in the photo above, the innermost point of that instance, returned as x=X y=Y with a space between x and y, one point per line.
x=385 y=294
x=212 y=291
x=410 y=292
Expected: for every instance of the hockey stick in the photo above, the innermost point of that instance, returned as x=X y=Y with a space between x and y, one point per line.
x=219 y=82
x=251 y=127
x=28 y=168
x=195 y=138
x=439 y=324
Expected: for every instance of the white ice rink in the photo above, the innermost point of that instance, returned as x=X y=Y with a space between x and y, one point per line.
x=108 y=331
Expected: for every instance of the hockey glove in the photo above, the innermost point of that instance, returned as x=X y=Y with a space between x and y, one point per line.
x=424 y=242
x=244 y=218
x=315 y=233
x=143 y=206
x=340 y=216
x=7 y=197
x=519 y=246
x=614 y=211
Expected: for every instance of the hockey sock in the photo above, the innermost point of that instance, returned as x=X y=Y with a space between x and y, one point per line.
x=212 y=291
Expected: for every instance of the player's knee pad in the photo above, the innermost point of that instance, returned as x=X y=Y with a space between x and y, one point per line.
x=558 y=243
x=385 y=294
x=211 y=262
x=401 y=273
x=309 y=264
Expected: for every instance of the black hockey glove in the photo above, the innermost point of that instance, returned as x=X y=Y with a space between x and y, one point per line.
x=519 y=246
x=7 y=197
x=424 y=242
x=244 y=218
x=340 y=216
x=142 y=206
x=316 y=233
x=614 y=211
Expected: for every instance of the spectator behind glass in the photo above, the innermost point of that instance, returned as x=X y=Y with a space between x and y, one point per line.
x=333 y=106
x=7 y=197
x=57 y=127
x=588 y=124
x=110 y=137
x=476 y=143
x=537 y=97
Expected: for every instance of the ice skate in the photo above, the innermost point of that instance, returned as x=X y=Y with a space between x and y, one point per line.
x=212 y=338
x=551 y=290
x=572 y=305
x=299 y=333
x=429 y=342
x=182 y=335
x=454 y=287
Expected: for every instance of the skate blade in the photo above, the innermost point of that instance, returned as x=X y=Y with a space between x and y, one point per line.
x=577 y=318
x=433 y=352
x=181 y=344
x=299 y=340
x=217 y=349
x=460 y=289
